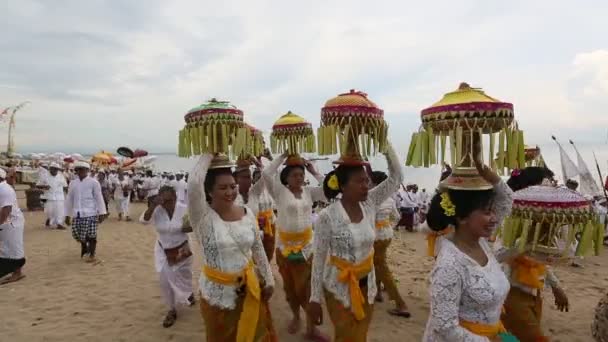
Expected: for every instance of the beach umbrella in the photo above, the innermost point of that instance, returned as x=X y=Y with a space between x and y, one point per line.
x=149 y=160
x=125 y=152
x=68 y=159
x=139 y=153
x=77 y=156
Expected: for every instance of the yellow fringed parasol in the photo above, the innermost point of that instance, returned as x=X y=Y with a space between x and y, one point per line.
x=215 y=127
x=293 y=134
x=352 y=124
x=455 y=119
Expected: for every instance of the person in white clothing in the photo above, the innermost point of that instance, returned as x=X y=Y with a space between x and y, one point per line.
x=122 y=195
x=151 y=185
x=236 y=281
x=54 y=185
x=172 y=255
x=468 y=286
x=295 y=233
x=85 y=205
x=12 y=255
x=343 y=267
x=181 y=187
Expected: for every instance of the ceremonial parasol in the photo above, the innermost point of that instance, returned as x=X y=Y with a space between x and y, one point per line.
x=357 y=124
x=257 y=141
x=455 y=119
x=214 y=127
x=293 y=134
x=547 y=219
x=139 y=153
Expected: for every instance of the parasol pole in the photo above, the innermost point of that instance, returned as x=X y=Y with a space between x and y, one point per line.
x=599 y=172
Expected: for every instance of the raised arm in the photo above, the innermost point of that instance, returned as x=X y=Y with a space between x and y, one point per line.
x=260 y=259
x=197 y=201
x=446 y=290
x=395 y=176
x=320 y=250
x=273 y=183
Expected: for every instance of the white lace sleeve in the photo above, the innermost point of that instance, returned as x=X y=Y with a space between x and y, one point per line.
x=260 y=259
x=197 y=201
x=273 y=184
x=503 y=202
x=320 y=251
x=395 y=176
x=446 y=290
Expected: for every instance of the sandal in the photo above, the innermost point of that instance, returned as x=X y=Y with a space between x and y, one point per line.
x=399 y=313
x=170 y=319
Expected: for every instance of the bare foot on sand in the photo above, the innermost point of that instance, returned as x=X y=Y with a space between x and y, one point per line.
x=294 y=326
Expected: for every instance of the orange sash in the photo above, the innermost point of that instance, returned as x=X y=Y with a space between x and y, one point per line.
x=431 y=239
x=350 y=273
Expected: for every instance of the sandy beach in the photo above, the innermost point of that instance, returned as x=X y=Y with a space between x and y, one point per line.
x=65 y=299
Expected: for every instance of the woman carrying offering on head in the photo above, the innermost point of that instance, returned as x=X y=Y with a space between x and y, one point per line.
x=236 y=280
x=468 y=286
x=343 y=267
x=295 y=235
x=529 y=273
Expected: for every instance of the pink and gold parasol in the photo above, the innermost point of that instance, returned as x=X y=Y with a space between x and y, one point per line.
x=547 y=219
x=453 y=121
x=214 y=127
x=357 y=124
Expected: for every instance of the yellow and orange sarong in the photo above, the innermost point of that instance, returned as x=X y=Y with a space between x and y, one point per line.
x=486 y=330
x=350 y=274
x=383 y=273
x=267 y=225
x=294 y=242
x=251 y=314
x=523 y=311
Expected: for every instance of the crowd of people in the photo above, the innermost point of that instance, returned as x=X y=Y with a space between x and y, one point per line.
x=329 y=242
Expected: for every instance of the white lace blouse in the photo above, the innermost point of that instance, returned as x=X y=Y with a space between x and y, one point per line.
x=258 y=198
x=226 y=246
x=336 y=235
x=461 y=289
x=293 y=214
x=387 y=213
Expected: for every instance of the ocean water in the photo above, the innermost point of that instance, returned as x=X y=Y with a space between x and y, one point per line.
x=429 y=177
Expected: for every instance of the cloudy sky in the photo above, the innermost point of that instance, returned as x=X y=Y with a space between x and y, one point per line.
x=105 y=73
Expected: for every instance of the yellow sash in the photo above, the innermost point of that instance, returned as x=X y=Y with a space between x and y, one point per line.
x=486 y=330
x=431 y=239
x=383 y=224
x=351 y=273
x=528 y=271
x=295 y=242
x=267 y=215
x=248 y=321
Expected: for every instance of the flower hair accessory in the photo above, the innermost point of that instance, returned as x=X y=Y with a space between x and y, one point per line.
x=446 y=204
x=333 y=183
x=515 y=172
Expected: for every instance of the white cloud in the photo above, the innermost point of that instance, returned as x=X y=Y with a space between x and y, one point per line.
x=120 y=72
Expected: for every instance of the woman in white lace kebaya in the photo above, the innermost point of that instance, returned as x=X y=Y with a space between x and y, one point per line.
x=172 y=255
x=236 y=280
x=387 y=217
x=253 y=194
x=294 y=229
x=343 y=266
x=468 y=286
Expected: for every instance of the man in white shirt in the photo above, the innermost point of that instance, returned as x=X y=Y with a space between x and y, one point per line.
x=180 y=186
x=54 y=184
x=122 y=186
x=408 y=206
x=151 y=185
x=12 y=255
x=86 y=206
